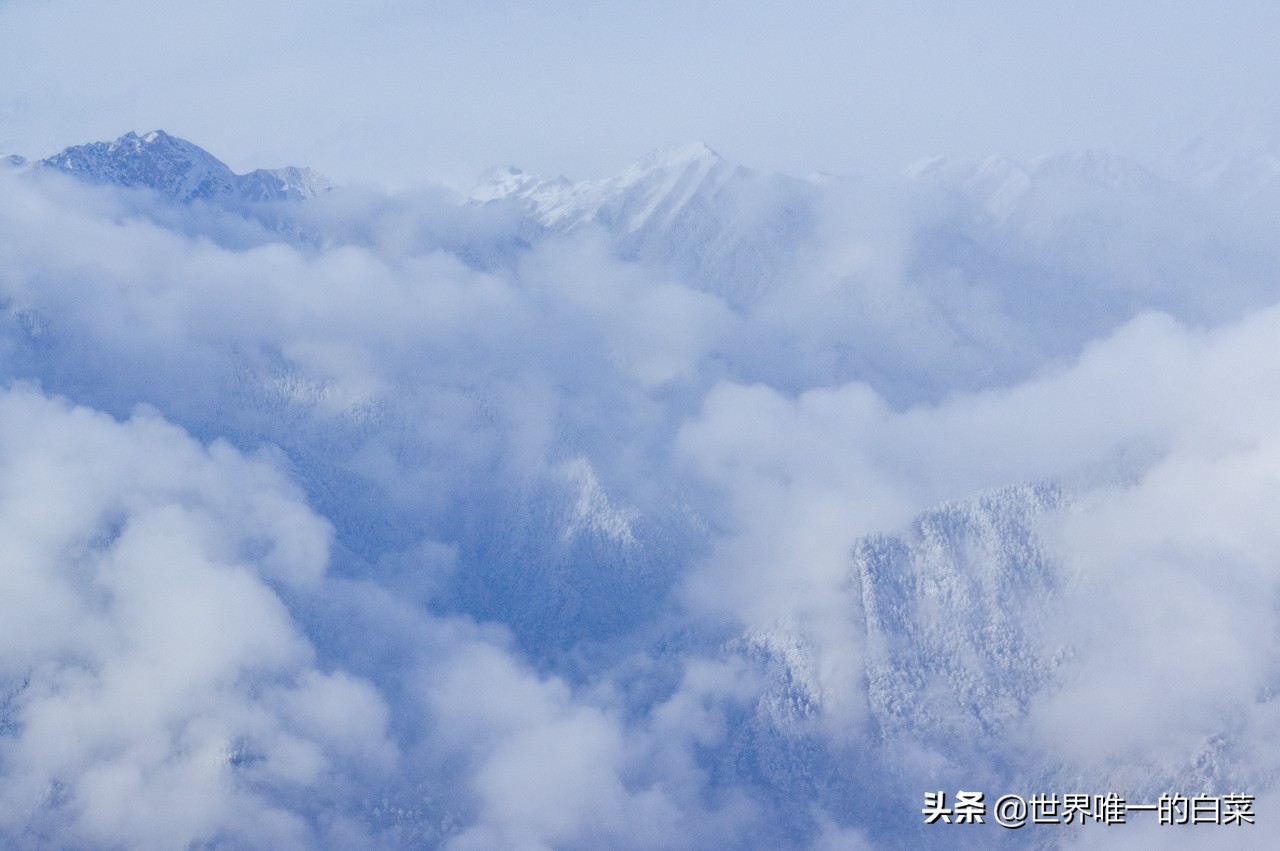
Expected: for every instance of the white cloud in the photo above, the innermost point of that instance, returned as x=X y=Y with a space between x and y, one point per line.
x=158 y=684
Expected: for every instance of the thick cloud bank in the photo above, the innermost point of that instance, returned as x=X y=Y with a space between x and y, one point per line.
x=697 y=508
x=157 y=690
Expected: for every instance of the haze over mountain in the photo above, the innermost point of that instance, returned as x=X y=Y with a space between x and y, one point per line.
x=693 y=507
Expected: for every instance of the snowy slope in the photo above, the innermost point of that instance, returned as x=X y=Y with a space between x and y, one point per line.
x=1003 y=187
x=731 y=229
x=651 y=192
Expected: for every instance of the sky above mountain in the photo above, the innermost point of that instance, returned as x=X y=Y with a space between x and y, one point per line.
x=402 y=93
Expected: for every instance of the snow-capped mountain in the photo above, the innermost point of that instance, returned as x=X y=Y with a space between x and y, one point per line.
x=938 y=604
x=651 y=192
x=281 y=184
x=1099 y=168
x=181 y=170
x=1002 y=186
x=729 y=228
x=1000 y=183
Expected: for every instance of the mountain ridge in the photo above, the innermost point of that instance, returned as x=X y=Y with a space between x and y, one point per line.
x=728 y=229
x=181 y=170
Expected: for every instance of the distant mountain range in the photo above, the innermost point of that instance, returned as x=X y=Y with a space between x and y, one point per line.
x=181 y=170
x=985 y=238
x=687 y=187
